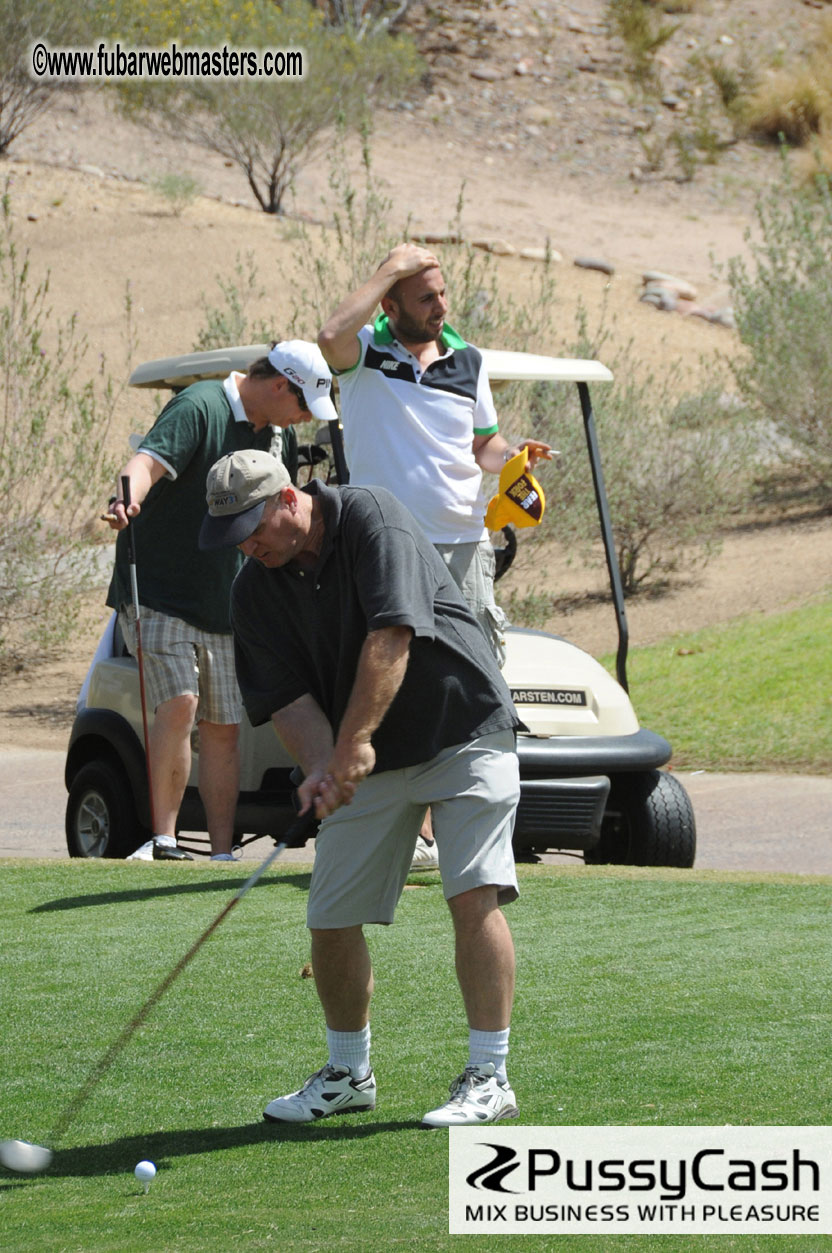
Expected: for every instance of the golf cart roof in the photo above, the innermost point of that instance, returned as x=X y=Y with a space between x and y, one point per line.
x=502 y=367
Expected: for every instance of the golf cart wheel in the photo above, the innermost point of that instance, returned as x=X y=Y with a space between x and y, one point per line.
x=100 y=814
x=649 y=822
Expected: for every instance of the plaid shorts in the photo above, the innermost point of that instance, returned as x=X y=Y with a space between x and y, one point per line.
x=180 y=660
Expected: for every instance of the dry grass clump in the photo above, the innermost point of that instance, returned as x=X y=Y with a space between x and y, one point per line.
x=815 y=161
x=795 y=102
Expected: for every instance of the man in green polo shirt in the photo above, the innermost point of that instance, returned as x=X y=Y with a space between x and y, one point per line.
x=184 y=593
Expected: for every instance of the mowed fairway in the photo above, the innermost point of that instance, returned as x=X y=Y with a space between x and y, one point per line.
x=644 y=997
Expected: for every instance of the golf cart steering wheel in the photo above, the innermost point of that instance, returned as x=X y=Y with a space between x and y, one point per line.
x=505 y=555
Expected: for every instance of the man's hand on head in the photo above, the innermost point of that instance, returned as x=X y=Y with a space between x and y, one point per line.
x=407 y=259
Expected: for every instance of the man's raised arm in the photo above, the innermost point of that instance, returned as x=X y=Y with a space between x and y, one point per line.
x=338 y=338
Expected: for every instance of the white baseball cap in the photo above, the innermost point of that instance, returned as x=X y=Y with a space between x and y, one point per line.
x=303 y=364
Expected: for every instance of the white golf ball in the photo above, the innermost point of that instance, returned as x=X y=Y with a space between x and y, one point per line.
x=25 y=1158
x=144 y=1172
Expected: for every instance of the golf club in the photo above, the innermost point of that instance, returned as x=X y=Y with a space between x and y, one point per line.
x=26 y=1158
x=131 y=560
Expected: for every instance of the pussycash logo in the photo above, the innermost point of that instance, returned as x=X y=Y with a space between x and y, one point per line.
x=671 y=1176
x=493 y=1174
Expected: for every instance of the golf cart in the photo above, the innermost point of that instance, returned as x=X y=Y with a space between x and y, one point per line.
x=591 y=781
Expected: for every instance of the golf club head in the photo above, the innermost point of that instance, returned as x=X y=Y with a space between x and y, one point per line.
x=23 y=1157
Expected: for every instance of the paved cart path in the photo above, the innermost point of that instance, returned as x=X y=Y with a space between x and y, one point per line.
x=744 y=822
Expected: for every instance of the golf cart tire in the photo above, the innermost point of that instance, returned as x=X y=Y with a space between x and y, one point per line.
x=650 y=822
x=100 y=813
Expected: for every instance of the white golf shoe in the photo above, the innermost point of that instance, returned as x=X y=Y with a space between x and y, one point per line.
x=476 y=1097
x=331 y=1090
x=425 y=856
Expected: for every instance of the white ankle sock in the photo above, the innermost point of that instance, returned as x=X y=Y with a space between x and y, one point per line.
x=350 y=1048
x=489 y=1046
x=167 y=841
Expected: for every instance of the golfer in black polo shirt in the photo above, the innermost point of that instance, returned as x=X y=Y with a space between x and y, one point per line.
x=353 y=638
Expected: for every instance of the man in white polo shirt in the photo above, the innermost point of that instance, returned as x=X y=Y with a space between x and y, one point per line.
x=419 y=419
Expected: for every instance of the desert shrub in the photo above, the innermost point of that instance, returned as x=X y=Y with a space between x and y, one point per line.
x=363 y=16
x=636 y=24
x=267 y=126
x=54 y=474
x=533 y=610
x=796 y=102
x=791 y=104
x=734 y=79
x=24 y=99
x=782 y=303
x=813 y=165
x=675 y=463
x=715 y=89
x=232 y=321
x=178 y=188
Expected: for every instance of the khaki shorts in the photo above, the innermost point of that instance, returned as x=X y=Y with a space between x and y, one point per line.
x=472 y=567
x=364 y=850
x=181 y=660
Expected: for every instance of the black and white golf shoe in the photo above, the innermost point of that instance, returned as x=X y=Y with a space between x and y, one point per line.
x=477 y=1096
x=331 y=1090
x=169 y=852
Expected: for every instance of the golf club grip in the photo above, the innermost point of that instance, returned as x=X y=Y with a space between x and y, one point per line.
x=125 y=496
x=81 y=1097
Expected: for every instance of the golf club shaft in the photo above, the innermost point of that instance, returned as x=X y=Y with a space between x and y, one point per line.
x=131 y=561
x=101 y=1068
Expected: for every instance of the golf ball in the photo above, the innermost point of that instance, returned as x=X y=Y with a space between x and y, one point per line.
x=144 y=1172
x=25 y=1158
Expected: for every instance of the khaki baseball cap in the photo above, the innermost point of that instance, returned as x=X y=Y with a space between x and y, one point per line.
x=520 y=500
x=238 y=487
x=303 y=364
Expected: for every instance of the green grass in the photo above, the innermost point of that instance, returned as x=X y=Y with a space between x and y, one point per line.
x=751 y=695
x=664 y=997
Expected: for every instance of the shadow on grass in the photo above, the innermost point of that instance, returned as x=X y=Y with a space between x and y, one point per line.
x=163 y=1147
x=174 y=889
